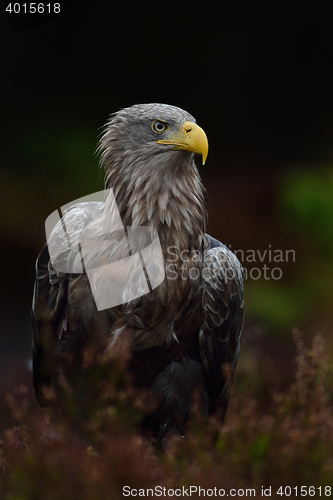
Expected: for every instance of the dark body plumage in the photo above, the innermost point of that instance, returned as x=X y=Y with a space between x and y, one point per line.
x=185 y=334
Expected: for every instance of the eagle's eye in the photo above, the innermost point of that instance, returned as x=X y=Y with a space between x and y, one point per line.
x=159 y=126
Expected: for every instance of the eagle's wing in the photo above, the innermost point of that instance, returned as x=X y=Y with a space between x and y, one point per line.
x=223 y=306
x=48 y=302
x=51 y=315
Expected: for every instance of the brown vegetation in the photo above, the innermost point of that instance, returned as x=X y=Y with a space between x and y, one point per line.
x=287 y=443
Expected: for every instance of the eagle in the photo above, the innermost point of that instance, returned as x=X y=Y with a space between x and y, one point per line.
x=181 y=335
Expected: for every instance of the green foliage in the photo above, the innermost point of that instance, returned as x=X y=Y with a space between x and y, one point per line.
x=275 y=303
x=62 y=155
x=304 y=212
x=307 y=204
x=53 y=166
x=288 y=444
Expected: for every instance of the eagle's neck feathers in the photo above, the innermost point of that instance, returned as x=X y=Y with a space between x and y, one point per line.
x=161 y=194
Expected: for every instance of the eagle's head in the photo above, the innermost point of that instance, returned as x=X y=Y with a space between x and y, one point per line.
x=147 y=154
x=148 y=132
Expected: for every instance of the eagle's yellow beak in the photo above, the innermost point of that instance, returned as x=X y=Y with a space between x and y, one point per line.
x=189 y=137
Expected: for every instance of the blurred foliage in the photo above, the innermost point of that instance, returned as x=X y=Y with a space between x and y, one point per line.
x=274 y=303
x=306 y=202
x=52 y=166
x=304 y=211
x=286 y=443
x=61 y=154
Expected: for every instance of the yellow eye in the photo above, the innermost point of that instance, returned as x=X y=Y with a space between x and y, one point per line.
x=159 y=126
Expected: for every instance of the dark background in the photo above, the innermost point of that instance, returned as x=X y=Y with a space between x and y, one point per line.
x=258 y=78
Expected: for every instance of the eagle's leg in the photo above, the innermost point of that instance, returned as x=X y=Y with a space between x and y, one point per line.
x=174 y=387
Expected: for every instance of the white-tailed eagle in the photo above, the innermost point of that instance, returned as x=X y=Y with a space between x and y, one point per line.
x=184 y=334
